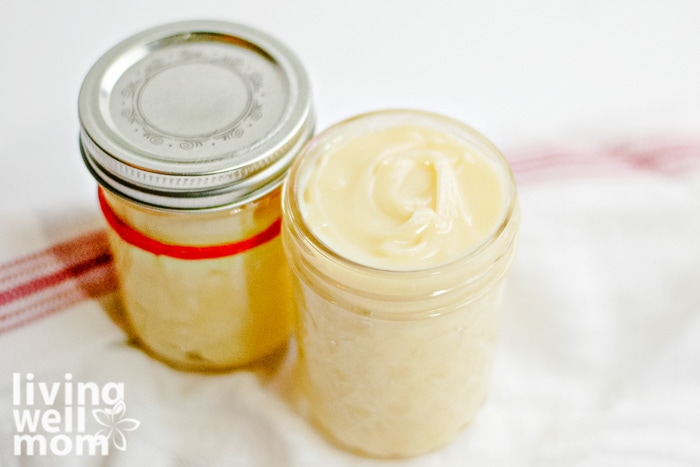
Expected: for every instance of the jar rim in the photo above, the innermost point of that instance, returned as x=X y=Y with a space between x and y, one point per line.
x=298 y=221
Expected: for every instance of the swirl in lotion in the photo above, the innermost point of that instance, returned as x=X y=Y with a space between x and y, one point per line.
x=403 y=197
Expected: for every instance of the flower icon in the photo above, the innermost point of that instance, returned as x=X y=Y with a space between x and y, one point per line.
x=115 y=424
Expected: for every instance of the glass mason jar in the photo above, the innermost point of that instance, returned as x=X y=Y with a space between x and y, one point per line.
x=189 y=129
x=394 y=360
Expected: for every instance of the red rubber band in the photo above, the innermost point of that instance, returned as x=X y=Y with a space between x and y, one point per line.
x=136 y=238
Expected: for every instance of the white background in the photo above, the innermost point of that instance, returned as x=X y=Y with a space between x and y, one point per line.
x=598 y=365
x=522 y=72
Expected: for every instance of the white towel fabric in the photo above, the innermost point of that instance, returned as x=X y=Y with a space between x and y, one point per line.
x=598 y=362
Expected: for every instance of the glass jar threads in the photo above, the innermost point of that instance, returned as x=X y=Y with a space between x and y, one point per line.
x=400 y=227
x=189 y=129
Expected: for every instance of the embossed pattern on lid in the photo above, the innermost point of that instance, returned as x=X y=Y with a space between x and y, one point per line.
x=194 y=115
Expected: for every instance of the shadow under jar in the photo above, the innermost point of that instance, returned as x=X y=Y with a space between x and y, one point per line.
x=190 y=128
x=400 y=227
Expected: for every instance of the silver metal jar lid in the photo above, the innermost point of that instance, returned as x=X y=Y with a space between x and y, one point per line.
x=194 y=115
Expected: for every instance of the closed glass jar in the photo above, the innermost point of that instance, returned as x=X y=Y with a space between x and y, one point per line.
x=396 y=349
x=189 y=129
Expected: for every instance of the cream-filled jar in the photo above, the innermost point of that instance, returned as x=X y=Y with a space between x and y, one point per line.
x=189 y=129
x=399 y=226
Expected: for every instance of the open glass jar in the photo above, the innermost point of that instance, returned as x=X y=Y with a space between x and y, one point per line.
x=396 y=342
x=189 y=129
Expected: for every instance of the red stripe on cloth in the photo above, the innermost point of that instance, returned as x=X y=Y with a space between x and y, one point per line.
x=189 y=252
x=670 y=158
x=551 y=164
x=51 y=280
x=54 y=279
x=53 y=259
x=46 y=302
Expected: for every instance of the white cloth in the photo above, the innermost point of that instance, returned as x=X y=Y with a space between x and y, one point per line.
x=598 y=362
